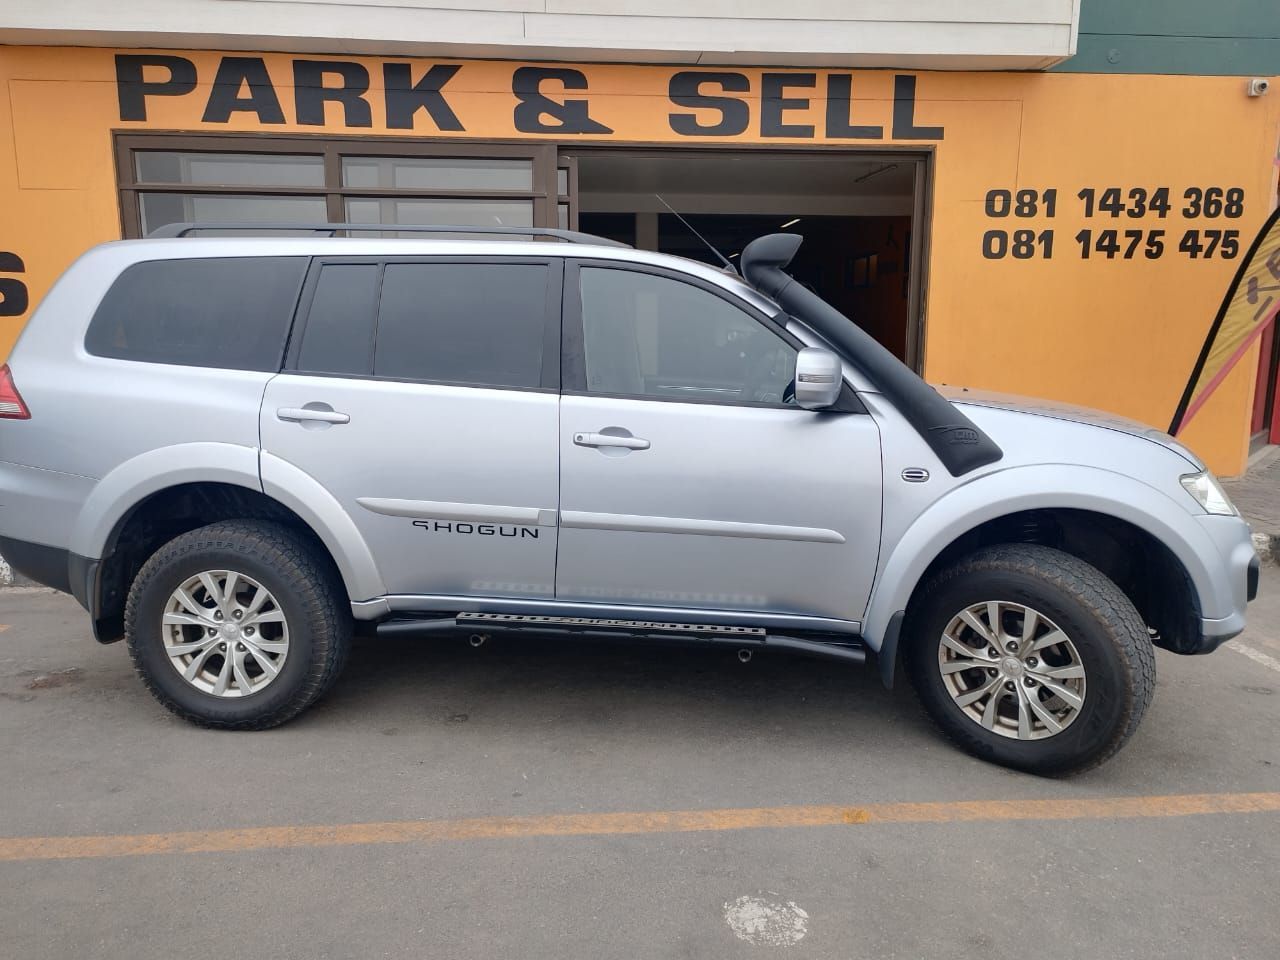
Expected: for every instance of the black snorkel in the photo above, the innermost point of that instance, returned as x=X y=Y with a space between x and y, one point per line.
x=956 y=441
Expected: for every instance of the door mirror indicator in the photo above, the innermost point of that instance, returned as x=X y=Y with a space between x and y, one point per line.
x=819 y=378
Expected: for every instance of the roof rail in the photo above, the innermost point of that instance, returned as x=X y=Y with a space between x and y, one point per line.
x=173 y=230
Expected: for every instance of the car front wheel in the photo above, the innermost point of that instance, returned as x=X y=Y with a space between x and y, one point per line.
x=1031 y=658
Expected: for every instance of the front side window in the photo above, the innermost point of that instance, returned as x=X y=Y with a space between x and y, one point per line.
x=652 y=336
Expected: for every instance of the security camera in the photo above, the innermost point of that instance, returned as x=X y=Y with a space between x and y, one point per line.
x=1258 y=86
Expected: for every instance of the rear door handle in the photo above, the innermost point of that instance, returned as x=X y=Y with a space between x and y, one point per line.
x=609 y=440
x=317 y=415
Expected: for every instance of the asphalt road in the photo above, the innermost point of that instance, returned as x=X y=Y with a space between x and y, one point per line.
x=758 y=809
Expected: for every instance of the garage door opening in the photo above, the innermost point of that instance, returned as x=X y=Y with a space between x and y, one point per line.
x=856 y=213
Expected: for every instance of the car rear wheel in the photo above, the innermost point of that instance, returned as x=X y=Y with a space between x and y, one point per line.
x=1030 y=658
x=237 y=625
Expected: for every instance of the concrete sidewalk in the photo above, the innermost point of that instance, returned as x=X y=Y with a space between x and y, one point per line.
x=1257 y=496
x=9 y=578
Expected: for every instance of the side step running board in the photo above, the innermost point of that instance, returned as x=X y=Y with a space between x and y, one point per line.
x=631 y=627
x=744 y=638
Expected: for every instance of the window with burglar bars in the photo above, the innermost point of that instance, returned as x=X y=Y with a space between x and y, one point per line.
x=168 y=178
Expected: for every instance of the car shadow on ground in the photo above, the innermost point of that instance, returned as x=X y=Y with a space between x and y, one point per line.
x=569 y=681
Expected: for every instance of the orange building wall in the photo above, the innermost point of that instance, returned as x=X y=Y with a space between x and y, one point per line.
x=1117 y=334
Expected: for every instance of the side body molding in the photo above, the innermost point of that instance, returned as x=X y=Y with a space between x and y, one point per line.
x=444 y=510
x=1042 y=486
x=583 y=520
x=306 y=497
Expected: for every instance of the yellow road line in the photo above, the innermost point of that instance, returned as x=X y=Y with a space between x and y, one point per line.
x=601 y=824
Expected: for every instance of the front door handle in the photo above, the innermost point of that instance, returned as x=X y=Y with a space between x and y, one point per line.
x=609 y=440
x=315 y=413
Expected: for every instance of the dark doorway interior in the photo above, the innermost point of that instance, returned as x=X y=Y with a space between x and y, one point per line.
x=857 y=264
x=1263 y=423
x=857 y=247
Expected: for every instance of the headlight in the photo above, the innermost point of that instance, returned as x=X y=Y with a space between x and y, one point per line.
x=1209 y=494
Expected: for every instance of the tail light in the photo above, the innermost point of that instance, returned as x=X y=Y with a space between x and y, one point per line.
x=12 y=406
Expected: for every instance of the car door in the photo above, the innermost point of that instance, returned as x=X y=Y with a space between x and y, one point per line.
x=688 y=477
x=422 y=394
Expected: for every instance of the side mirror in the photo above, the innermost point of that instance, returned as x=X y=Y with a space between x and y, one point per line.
x=819 y=378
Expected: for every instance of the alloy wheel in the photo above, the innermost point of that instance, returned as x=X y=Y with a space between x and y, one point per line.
x=225 y=633
x=1011 y=670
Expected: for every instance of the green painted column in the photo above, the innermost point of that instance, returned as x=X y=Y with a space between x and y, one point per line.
x=1222 y=38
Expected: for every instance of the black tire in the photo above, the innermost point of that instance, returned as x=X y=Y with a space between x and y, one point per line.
x=1111 y=639
x=306 y=589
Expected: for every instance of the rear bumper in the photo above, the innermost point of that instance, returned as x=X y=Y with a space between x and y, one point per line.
x=49 y=566
x=54 y=567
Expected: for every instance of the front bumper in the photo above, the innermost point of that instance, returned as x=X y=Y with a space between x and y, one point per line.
x=1234 y=588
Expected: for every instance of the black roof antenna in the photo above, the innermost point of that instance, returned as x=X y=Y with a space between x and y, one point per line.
x=729 y=267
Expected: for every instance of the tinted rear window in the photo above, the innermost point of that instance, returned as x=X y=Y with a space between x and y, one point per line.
x=480 y=323
x=339 y=333
x=228 y=312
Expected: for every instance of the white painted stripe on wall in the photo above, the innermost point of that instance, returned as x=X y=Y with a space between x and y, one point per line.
x=946 y=33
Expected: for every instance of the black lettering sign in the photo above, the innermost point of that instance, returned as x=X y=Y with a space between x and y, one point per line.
x=310 y=94
x=405 y=98
x=14 y=298
x=571 y=116
x=476 y=529
x=774 y=103
x=132 y=89
x=685 y=90
x=839 y=112
x=234 y=73
x=904 y=112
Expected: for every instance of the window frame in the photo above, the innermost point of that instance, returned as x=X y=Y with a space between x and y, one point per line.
x=573 y=351
x=549 y=378
x=543 y=195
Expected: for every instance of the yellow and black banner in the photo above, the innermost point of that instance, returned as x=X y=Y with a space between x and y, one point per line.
x=1249 y=307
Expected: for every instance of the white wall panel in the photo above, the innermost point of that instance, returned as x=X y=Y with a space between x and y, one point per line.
x=944 y=34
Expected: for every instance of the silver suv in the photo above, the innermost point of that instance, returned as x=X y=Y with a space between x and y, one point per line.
x=235 y=451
